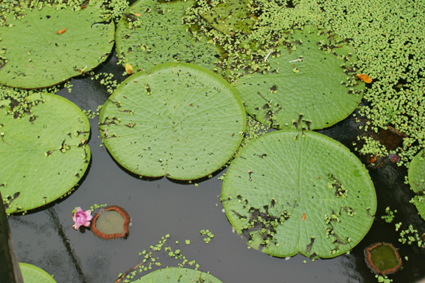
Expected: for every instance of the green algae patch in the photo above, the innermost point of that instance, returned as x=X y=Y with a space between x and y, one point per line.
x=55 y=44
x=382 y=258
x=34 y=274
x=181 y=121
x=152 y=33
x=44 y=153
x=295 y=192
x=177 y=274
x=416 y=176
x=313 y=83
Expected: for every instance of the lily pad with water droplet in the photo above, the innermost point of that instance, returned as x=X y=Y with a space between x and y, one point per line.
x=152 y=33
x=181 y=121
x=44 y=154
x=177 y=274
x=34 y=274
x=295 y=192
x=312 y=84
x=416 y=176
x=49 y=46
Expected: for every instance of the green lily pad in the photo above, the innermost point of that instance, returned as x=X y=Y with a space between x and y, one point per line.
x=34 y=274
x=152 y=33
x=416 y=176
x=231 y=16
x=177 y=274
x=44 y=154
x=295 y=192
x=37 y=56
x=313 y=84
x=181 y=121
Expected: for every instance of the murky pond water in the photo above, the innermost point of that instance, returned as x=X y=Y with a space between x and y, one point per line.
x=158 y=207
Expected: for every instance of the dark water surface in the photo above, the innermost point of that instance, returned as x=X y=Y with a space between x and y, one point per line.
x=158 y=207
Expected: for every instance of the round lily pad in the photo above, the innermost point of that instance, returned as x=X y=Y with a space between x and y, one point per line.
x=48 y=46
x=177 y=274
x=44 y=154
x=295 y=192
x=34 y=274
x=111 y=223
x=181 y=121
x=416 y=176
x=382 y=258
x=312 y=83
x=152 y=33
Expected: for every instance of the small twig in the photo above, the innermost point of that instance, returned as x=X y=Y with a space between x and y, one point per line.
x=127 y=272
x=270 y=52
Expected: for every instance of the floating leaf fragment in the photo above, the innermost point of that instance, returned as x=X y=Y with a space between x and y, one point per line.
x=61 y=31
x=128 y=68
x=364 y=78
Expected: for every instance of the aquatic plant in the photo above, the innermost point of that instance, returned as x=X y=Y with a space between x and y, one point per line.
x=111 y=222
x=171 y=274
x=181 y=121
x=382 y=258
x=311 y=82
x=34 y=274
x=50 y=153
x=151 y=33
x=388 y=39
x=50 y=51
x=416 y=177
x=294 y=191
x=81 y=218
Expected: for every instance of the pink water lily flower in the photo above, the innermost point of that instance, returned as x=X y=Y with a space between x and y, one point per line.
x=81 y=218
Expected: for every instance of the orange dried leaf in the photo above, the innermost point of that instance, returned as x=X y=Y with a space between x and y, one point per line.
x=137 y=14
x=364 y=78
x=128 y=68
x=61 y=31
x=304 y=217
x=373 y=159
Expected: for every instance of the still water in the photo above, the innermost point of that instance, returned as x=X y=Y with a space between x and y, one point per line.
x=158 y=207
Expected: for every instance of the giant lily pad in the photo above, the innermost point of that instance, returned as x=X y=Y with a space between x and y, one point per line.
x=181 y=121
x=34 y=274
x=177 y=274
x=152 y=33
x=295 y=192
x=416 y=176
x=48 y=46
x=44 y=154
x=231 y=16
x=313 y=83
